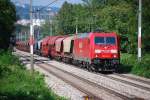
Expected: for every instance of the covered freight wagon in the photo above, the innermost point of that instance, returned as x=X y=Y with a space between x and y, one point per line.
x=59 y=47
x=68 y=49
x=52 y=46
x=44 y=46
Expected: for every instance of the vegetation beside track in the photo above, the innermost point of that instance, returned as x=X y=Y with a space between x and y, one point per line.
x=16 y=83
x=130 y=64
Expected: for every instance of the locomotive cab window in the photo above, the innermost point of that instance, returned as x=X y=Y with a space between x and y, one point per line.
x=110 y=40
x=99 y=40
x=105 y=40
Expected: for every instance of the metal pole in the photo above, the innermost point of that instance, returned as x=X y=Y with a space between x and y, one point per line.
x=21 y=36
x=25 y=36
x=139 y=30
x=31 y=38
x=76 y=25
x=51 y=28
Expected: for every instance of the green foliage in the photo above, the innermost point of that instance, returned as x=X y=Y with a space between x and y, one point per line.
x=66 y=19
x=46 y=29
x=142 y=68
x=120 y=16
x=131 y=65
x=16 y=83
x=146 y=24
x=7 y=19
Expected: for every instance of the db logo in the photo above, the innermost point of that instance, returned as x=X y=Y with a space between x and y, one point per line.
x=31 y=41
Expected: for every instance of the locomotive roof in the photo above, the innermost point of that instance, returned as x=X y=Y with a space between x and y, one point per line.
x=83 y=35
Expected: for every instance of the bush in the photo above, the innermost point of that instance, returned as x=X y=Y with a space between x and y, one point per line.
x=16 y=83
x=131 y=65
x=142 y=68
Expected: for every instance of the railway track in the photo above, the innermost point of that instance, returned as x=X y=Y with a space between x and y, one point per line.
x=135 y=86
x=93 y=90
x=115 y=76
x=55 y=73
x=133 y=78
x=95 y=96
x=99 y=87
x=127 y=82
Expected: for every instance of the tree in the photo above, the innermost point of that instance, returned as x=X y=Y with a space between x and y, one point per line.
x=65 y=19
x=7 y=19
x=46 y=29
x=146 y=24
x=120 y=16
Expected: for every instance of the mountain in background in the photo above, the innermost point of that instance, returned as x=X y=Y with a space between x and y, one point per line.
x=23 y=11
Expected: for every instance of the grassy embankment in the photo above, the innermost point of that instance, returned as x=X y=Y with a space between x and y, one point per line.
x=16 y=83
x=130 y=64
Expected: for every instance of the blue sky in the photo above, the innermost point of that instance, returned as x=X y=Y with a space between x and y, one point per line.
x=45 y=2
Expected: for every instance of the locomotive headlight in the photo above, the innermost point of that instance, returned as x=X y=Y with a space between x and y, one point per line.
x=97 y=51
x=115 y=56
x=113 y=51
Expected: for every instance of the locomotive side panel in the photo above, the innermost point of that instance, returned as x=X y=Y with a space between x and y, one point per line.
x=81 y=49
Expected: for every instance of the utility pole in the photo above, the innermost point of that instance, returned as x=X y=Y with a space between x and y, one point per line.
x=76 y=25
x=39 y=25
x=31 y=38
x=21 y=36
x=95 y=20
x=139 y=30
x=51 y=28
x=25 y=36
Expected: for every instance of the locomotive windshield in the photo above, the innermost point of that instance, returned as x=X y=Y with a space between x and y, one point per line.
x=105 y=40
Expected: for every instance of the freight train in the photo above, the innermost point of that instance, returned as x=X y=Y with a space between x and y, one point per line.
x=95 y=51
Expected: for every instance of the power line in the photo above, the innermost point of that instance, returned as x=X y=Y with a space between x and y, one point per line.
x=47 y=5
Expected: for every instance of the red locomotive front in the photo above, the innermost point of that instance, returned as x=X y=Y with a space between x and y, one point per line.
x=100 y=51
x=106 y=50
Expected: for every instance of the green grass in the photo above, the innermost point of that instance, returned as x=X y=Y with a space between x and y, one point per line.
x=130 y=64
x=16 y=83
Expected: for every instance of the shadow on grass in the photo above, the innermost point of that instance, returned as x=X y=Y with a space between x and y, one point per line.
x=24 y=96
x=16 y=96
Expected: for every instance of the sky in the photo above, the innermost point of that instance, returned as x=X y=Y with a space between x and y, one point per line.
x=45 y=2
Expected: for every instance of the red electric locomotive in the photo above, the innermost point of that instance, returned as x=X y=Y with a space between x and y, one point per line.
x=97 y=51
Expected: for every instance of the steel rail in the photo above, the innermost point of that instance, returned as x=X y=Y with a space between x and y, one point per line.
x=92 y=83
x=127 y=82
x=133 y=78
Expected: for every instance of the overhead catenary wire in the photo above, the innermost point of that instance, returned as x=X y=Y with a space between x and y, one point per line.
x=47 y=5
